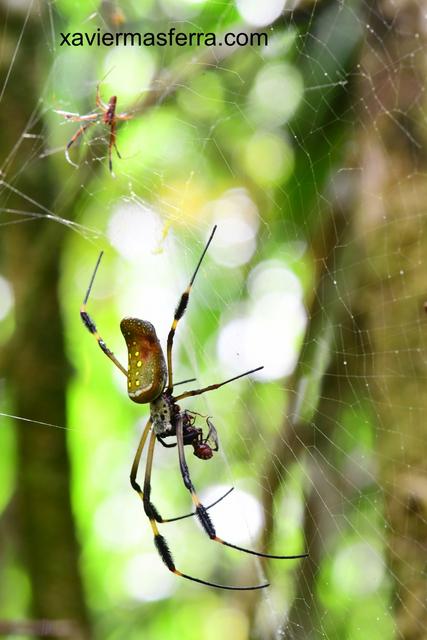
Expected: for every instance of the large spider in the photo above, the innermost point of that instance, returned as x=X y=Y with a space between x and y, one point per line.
x=150 y=381
x=108 y=116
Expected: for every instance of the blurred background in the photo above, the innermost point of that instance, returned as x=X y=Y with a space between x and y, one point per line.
x=309 y=155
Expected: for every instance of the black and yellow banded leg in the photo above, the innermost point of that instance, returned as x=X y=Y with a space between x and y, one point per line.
x=201 y=511
x=161 y=543
x=179 y=312
x=91 y=327
x=149 y=508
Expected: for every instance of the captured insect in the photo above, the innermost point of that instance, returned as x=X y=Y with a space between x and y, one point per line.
x=108 y=116
x=150 y=381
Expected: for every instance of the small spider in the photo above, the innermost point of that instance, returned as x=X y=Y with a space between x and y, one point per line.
x=150 y=381
x=108 y=116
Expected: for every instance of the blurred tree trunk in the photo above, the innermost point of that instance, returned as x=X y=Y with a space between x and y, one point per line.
x=385 y=309
x=35 y=363
x=392 y=229
x=381 y=329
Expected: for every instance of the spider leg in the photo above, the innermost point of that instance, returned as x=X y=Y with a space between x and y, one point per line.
x=184 y=381
x=147 y=489
x=77 y=135
x=76 y=117
x=179 y=312
x=91 y=327
x=212 y=387
x=161 y=543
x=203 y=515
x=124 y=116
x=165 y=444
x=194 y=513
x=111 y=144
x=99 y=102
x=137 y=458
x=149 y=508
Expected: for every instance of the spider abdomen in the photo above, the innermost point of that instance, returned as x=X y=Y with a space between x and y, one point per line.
x=146 y=363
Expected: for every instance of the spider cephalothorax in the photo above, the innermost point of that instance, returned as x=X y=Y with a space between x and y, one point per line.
x=150 y=381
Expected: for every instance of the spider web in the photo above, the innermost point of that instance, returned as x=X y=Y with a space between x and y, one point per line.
x=308 y=155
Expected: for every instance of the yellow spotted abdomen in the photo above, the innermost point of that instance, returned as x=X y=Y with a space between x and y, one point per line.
x=147 y=373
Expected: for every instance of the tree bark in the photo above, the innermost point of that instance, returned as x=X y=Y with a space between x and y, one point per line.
x=392 y=225
x=384 y=309
x=35 y=363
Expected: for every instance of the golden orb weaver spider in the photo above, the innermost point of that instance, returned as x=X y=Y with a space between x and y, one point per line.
x=107 y=116
x=150 y=381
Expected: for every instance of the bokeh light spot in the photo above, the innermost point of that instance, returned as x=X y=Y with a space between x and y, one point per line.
x=115 y=522
x=134 y=230
x=128 y=73
x=238 y=517
x=358 y=570
x=271 y=328
x=260 y=13
x=236 y=215
x=268 y=159
x=276 y=94
x=273 y=276
x=6 y=297
x=204 y=97
x=146 y=578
